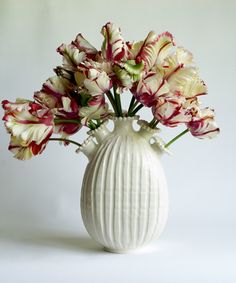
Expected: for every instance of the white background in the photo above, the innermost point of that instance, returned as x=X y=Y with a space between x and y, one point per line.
x=42 y=238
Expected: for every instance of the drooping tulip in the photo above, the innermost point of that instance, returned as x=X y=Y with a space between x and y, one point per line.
x=30 y=126
x=202 y=124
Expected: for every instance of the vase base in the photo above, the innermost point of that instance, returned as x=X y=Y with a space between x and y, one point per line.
x=117 y=251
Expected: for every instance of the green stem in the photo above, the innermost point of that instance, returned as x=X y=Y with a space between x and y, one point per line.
x=132 y=105
x=118 y=103
x=65 y=140
x=74 y=121
x=176 y=138
x=113 y=102
x=99 y=122
x=135 y=104
x=136 y=110
x=92 y=125
x=153 y=123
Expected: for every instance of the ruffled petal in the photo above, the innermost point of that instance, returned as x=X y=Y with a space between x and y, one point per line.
x=164 y=40
x=148 y=51
x=83 y=45
x=124 y=80
x=149 y=88
x=151 y=47
x=72 y=56
x=203 y=124
x=172 y=58
x=170 y=111
x=114 y=48
x=56 y=86
x=96 y=108
x=187 y=82
x=134 y=48
x=97 y=82
x=20 y=105
x=24 y=151
x=46 y=99
x=65 y=115
x=30 y=126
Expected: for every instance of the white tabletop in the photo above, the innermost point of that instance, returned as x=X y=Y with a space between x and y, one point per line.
x=190 y=253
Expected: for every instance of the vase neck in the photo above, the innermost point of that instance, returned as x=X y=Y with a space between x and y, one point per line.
x=124 y=124
x=100 y=133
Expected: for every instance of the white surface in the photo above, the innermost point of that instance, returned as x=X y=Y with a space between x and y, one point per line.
x=42 y=236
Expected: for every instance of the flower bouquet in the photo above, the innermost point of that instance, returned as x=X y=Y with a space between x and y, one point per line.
x=119 y=210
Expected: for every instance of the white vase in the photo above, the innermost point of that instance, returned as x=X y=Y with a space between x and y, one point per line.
x=124 y=201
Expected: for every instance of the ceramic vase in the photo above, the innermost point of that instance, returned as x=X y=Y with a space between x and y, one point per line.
x=124 y=201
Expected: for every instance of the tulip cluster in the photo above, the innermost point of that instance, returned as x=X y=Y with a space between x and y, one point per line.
x=159 y=74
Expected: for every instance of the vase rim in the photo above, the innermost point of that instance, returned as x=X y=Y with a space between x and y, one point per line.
x=128 y=118
x=102 y=126
x=88 y=140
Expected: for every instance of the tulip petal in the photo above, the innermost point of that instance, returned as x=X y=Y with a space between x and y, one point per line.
x=170 y=111
x=187 y=82
x=134 y=48
x=149 y=88
x=34 y=124
x=83 y=45
x=20 y=105
x=24 y=151
x=151 y=48
x=164 y=40
x=123 y=79
x=96 y=109
x=172 y=58
x=203 y=124
x=114 y=49
x=97 y=82
x=56 y=86
x=72 y=56
x=148 y=51
x=30 y=126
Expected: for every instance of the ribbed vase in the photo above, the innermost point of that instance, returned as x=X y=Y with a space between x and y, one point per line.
x=124 y=200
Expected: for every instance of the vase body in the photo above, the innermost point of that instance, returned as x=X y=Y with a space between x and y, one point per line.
x=124 y=202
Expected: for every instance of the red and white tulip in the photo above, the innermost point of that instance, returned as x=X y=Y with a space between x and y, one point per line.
x=123 y=79
x=172 y=58
x=170 y=111
x=68 y=121
x=202 y=124
x=96 y=108
x=149 y=88
x=159 y=74
x=97 y=82
x=114 y=48
x=148 y=50
x=187 y=82
x=30 y=126
x=83 y=45
x=56 y=95
x=23 y=150
x=72 y=56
